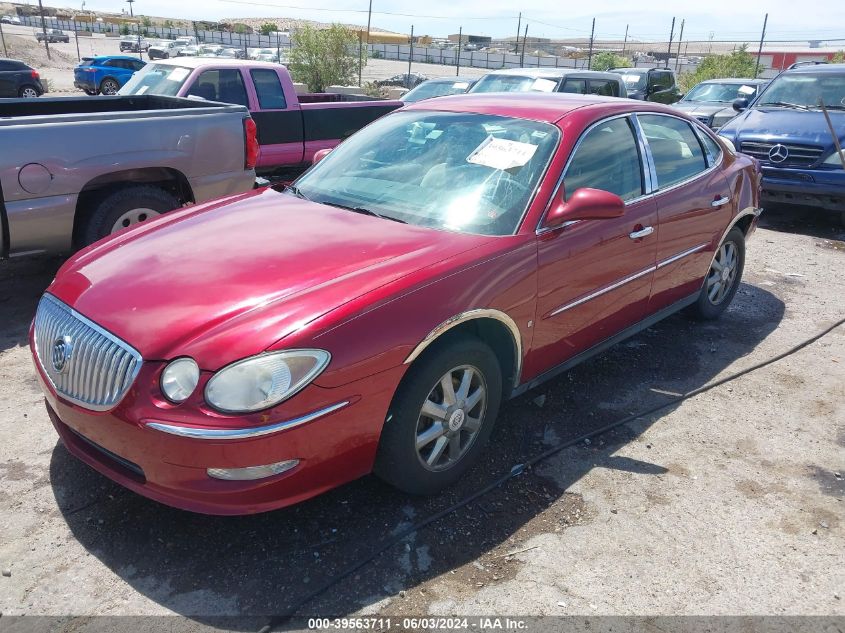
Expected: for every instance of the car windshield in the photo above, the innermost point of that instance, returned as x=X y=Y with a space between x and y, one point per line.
x=634 y=80
x=472 y=173
x=156 y=79
x=805 y=90
x=722 y=93
x=431 y=89
x=515 y=83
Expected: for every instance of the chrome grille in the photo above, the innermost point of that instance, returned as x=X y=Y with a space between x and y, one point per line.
x=85 y=364
x=799 y=155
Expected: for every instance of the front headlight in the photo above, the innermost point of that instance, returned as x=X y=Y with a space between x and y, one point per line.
x=265 y=380
x=834 y=159
x=179 y=379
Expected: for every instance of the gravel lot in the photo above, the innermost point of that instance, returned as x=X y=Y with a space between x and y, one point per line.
x=729 y=503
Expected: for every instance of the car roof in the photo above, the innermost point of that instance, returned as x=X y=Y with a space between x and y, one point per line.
x=734 y=80
x=198 y=62
x=553 y=73
x=549 y=107
x=818 y=68
x=97 y=58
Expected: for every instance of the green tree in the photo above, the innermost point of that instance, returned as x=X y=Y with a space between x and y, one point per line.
x=267 y=28
x=324 y=57
x=607 y=60
x=739 y=64
x=146 y=21
x=838 y=58
x=241 y=29
x=124 y=29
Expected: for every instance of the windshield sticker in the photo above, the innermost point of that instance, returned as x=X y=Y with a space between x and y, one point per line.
x=178 y=74
x=434 y=134
x=460 y=85
x=544 y=85
x=630 y=78
x=500 y=153
x=746 y=90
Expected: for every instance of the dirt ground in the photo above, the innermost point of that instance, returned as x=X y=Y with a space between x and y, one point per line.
x=729 y=503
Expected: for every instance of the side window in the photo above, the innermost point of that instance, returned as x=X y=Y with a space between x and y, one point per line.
x=606 y=158
x=601 y=87
x=675 y=149
x=224 y=84
x=711 y=148
x=269 y=89
x=574 y=86
x=137 y=65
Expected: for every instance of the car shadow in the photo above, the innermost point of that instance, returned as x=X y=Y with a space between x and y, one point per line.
x=22 y=282
x=805 y=221
x=204 y=567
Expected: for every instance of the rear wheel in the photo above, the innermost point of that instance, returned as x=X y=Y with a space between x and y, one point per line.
x=109 y=87
x=125 y=208
x=723 y=278
x=441 y=417
x=28 y=92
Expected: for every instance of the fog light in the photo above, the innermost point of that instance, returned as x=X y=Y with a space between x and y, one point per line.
x=252 y=472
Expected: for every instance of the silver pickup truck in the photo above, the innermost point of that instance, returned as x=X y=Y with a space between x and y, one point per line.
x=73 y=170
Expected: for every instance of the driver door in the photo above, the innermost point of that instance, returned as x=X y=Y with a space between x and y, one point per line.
x=595 y=276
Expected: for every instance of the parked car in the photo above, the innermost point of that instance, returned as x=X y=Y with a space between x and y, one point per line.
x=405 y=80
x=171 y=152
x=133 y=44
x=17 y=80
x=650 y=84
x=189 y=51
x=231 y=52
x=52 y=36
x=168 y=48
x=255 y=53
x=208 y=50
x=551 y=80
x=374 y=316
x=291 y=127
x=10 y=19
x=440 y=87
x=105 y=74
x=785 y=129
x=711 y=102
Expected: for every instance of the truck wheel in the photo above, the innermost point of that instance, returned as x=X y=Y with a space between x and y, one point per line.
x=441 y=417
x=109 y=87
x=28 y=92
x=723 y=278
x=124 y=208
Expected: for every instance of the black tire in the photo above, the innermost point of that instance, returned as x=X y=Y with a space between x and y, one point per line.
x=398 y=461
x=28 y=92
x=119 y=202
x=90 y=93
x=705 y=308
x=109 y=86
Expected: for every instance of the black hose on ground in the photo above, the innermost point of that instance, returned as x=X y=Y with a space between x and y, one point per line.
x=518 y=469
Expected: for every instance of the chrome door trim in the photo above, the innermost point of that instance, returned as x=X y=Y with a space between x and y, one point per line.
x=470 y=315
x=674 y=258
x=601 y=291
x=205 y=433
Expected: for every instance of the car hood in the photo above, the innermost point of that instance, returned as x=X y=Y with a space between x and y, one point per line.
x=785 y=125
x=704 y=108
x=241 y=274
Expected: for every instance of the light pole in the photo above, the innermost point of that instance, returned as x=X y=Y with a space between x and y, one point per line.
x=132 y=17
x=44 y=30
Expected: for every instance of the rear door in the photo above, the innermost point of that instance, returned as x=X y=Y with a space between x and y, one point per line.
x=8 y=79
x=694 y=204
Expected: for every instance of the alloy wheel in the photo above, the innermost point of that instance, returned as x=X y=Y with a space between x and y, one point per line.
x=29 y=93
x=722 y=273
x=450 y=418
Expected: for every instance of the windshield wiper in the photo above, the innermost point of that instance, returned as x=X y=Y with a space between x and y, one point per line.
x=296 y=191
x=835 y=106
x=364 y=211
x=785 y=104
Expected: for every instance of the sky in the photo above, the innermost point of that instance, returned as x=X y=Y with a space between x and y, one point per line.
x=728 y=20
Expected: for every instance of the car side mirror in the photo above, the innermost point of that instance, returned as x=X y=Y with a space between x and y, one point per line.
x=740 y=104
x=586 y=204
x=320 y=154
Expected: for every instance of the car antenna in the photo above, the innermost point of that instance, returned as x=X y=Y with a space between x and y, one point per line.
x=832 y=132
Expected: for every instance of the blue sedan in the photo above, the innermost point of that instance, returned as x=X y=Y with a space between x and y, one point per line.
x=105 y=74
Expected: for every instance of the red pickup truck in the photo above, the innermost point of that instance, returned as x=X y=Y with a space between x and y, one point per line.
x=291 y=127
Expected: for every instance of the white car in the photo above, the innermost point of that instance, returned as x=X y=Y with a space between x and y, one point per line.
x=10 y=19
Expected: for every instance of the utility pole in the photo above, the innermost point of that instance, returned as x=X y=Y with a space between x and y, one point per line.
x=132 y=16
x=410 y=58
x=76 y=37
x=458 y=60
x=5 y=51
x=680 y=39
x=44 y=30
x=590 y=54
x=710 y=45
x=369 y=19
x=518 y=30
x=524 y=40
x=671 y=37
x=625 y=42
x=360 y=53
x=759 y=50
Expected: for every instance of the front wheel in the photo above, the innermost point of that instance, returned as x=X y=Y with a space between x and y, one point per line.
x=723 y=278
x=441 y=417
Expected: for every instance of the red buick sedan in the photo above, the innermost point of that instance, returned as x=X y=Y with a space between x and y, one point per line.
x=249 y=353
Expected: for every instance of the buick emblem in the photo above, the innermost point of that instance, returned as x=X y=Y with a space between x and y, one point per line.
x=778 y=154
x=62 y=349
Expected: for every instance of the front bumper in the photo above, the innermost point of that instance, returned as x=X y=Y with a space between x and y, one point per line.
x=821 y=188
x=332 y=449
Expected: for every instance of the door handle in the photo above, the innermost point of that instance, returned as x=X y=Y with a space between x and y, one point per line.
x=643 y=232
x=718 y=202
